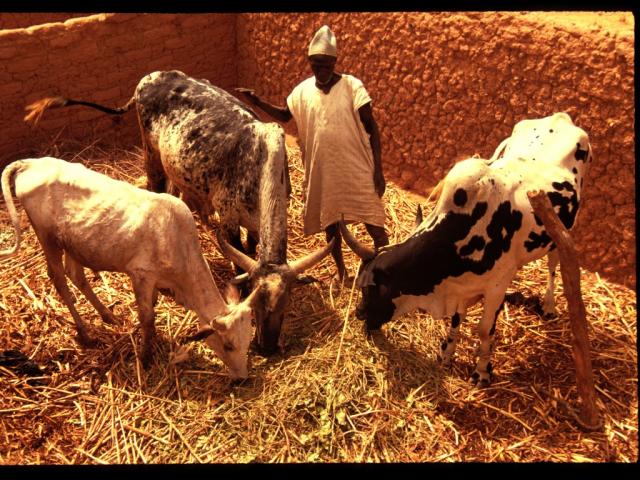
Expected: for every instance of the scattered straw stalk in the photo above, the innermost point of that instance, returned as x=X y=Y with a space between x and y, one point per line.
x=332 y=396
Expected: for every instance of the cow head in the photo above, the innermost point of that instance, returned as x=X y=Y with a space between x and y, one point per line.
x=377 y=305
x=229 y=334
x=271 y=285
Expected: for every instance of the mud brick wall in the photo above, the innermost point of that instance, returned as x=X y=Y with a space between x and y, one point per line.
x=447 y=85
x=101 y=58
x=444 y=86
x=29 y=19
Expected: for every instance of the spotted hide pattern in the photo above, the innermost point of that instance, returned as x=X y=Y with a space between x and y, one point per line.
x=481 y=231
x=218 y=154
x=213 y=148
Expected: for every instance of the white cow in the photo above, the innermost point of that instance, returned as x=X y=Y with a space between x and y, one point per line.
x=110 y=225
x=481 y=231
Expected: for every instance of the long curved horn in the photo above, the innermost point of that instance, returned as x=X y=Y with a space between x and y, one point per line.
x=435 y=192
x=364 y=252
x=236 y=256
x=237 y=280
x=308 y=261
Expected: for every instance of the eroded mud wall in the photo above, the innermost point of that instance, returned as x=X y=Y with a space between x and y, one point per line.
x=444 y=86
x=101 y=58
x=29 y=19
x=448 y=85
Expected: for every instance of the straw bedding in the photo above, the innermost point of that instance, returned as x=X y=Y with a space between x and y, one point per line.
x=333 y=395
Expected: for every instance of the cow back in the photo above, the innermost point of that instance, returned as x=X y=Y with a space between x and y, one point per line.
x=207 y=140
x=551 y=141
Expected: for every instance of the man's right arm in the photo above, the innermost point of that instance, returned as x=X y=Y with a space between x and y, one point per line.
x=282 y=114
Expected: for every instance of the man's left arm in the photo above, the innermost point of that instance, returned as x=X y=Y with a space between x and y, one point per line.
x=370 y=125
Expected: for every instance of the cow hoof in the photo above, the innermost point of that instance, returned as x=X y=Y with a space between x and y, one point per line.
x=370 y=331
x=88 y=342
x=110 y=318
x=484 y=383
x=267 y=351
x=306 y=280
x=550 y=316
x=482 y=379
x=445 y=362
x=236 y=382
x=145 y=360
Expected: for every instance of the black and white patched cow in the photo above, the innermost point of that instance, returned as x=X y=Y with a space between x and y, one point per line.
x=481 y=231
x=222 y=159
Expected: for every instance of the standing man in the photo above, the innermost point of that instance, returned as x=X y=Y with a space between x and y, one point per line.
x=340 y=146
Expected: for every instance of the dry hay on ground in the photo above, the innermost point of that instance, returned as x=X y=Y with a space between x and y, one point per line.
x=332 y=396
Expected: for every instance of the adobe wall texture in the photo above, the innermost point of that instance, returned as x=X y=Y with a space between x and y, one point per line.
x=101 y=58
x=28 y=19
x=444 y=86
x=448 y=85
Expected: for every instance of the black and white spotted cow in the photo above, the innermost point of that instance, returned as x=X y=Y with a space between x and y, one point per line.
x=223 y=159
x=481 y=231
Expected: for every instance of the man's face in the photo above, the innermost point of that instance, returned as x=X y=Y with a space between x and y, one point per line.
x=322 y=67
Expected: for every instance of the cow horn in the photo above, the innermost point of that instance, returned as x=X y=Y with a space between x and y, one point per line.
x=239 y=279
x=435 y=192
x=364 y=252
x=308 y=261
x=236 y=256
x=418 y=220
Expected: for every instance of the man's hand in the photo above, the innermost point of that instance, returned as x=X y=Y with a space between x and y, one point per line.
x=281 y=114
x=379 y=183
x=249 y=93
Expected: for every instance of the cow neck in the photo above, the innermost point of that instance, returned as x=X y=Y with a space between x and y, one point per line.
x=273 y=196
x=209 y=299
x=417 y=265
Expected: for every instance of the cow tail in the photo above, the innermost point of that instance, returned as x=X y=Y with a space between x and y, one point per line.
x=36 y=109
x=7 y=174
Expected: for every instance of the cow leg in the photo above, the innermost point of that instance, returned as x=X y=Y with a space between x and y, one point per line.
x=378 y=235
x=486 y=331
x=549 y=304
x=449 y=345
x=156 y=178
x=55 y=270
x=154 y=297
x=75 y=272
x=145 y=291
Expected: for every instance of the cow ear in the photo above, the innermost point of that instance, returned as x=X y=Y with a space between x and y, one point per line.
x=381 y=277
x=382 y=280
x=201 y=334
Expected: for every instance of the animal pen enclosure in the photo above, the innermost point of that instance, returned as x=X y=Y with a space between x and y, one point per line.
x=333 y=395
